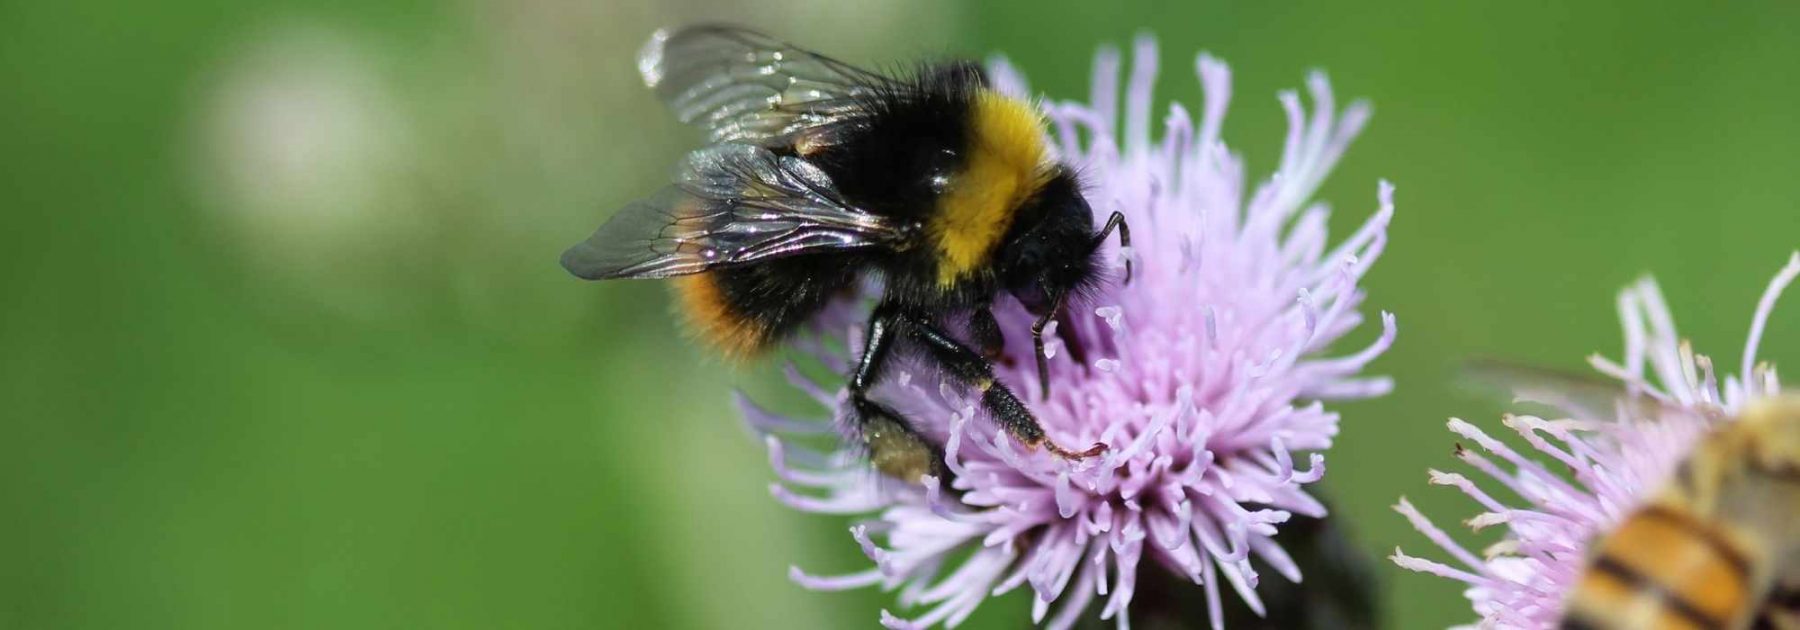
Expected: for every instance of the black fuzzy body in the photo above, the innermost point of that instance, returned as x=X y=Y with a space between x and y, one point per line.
x=893 y=160
x=907 y=136
x=822 y=175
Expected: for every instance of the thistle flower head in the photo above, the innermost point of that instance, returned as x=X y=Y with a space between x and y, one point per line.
x=1617 y=457
x=1203 y=374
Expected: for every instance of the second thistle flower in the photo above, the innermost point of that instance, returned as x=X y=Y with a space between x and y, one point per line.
x=1586 y=473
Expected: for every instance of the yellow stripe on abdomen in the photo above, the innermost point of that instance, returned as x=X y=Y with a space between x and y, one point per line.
x=1002 y=167
x=1660 y=569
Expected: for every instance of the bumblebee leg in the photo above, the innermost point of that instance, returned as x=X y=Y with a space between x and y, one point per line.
x=1117 y=221
x=967 y=366
x=984 y=332
x=1037 y=344
x=878 y=342
x=895 y=449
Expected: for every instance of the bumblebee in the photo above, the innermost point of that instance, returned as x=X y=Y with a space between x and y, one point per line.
x=818 y=174
x=1718 y=546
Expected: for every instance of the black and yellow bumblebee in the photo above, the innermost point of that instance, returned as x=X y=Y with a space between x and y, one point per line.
x=1717 y=545
x=818 y=174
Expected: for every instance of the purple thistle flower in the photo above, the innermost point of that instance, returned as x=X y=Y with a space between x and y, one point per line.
x=1193 y=373
x=1617 y=457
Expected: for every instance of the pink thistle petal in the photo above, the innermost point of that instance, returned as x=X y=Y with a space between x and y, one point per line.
x=1765 y=307
x=859 y=579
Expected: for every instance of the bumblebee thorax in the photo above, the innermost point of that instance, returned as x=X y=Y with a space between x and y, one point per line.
x=1002 y=165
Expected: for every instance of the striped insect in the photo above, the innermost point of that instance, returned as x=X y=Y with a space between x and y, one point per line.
x=820 y=174
x=1718 y=547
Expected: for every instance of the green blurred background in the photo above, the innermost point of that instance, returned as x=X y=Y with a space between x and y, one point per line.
x=284 y=342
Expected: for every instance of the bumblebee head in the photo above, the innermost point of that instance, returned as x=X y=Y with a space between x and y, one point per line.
x=1051 y=253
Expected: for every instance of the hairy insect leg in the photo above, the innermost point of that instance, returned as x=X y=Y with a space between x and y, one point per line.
x=1117 y=222
x=984 y=332
x=894 y=447
x=967 y=366
x=1037 y=344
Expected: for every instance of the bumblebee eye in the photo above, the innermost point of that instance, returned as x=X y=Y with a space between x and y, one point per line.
x=940 y=182
x=940 y=166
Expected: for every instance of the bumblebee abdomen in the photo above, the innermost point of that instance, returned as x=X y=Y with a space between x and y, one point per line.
x=1663 y=568
x=745 y=310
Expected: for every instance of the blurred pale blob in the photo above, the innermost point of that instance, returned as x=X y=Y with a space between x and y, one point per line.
x=304 y=139
x=305 y=154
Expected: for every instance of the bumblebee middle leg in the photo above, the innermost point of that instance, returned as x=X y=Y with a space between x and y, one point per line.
x=968 y=367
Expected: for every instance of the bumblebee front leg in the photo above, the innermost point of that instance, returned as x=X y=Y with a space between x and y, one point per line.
x=894 y=447
x=1037 y=344
x=967 y=366
x=1117 y=221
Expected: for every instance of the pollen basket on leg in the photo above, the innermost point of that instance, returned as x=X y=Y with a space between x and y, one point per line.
x=1002 y=167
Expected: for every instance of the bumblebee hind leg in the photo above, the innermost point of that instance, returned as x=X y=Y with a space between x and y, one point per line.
x=895 y=448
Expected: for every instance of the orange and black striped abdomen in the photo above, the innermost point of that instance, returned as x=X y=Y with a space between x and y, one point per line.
x=744 y=310
x=1662 y=568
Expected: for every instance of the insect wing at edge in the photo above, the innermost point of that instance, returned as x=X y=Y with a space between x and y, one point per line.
x=1578 y=394
x=731 y=204
x=743 y=86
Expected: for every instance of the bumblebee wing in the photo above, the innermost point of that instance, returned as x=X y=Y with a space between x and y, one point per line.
x=742 y=86
x=730 y=205
x=1580 y=394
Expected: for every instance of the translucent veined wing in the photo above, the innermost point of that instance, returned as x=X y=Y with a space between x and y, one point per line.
x=731 y=204
x=1584 y=396
x=742 y=86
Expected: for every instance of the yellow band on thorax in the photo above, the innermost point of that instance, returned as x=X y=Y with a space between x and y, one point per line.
x=1003 y=165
